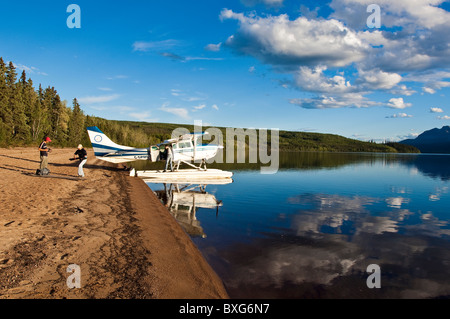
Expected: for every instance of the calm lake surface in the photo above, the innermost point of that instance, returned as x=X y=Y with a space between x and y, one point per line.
x=312 y=229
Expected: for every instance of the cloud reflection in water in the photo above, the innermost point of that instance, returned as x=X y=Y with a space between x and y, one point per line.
x=333 y=239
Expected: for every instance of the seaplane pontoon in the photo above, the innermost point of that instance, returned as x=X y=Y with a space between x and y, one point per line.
x=186 y=149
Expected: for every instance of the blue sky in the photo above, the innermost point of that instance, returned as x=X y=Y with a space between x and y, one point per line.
x=293 y=65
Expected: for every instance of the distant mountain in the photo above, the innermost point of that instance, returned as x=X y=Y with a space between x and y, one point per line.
x=432 y=141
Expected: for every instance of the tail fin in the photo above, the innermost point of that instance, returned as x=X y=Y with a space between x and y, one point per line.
x=102 y=144
x=107 y=150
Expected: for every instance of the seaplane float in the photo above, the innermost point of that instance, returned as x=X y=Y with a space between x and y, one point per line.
x=186 y=149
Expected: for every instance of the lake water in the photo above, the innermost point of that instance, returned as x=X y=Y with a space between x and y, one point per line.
x=312 y=229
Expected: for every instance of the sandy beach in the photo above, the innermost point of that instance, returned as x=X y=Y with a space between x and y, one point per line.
x=111 y=225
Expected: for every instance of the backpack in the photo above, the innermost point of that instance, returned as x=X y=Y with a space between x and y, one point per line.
x=44 y=172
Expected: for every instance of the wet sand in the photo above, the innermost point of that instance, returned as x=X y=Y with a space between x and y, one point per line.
x=111 y=225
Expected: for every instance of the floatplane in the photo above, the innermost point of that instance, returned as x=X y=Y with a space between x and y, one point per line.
x=185 y=149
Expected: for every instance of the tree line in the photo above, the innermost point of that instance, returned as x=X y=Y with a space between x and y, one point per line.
x=28 y=114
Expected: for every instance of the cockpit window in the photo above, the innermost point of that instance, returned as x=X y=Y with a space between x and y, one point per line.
x=185 y=144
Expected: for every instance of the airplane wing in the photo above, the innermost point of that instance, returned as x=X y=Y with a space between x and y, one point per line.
x=185 y=137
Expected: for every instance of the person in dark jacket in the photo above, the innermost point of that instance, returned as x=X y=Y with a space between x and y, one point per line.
x=44 y=150
x=82 y=156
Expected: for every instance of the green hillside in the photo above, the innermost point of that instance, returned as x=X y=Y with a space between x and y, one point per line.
x=288 y=141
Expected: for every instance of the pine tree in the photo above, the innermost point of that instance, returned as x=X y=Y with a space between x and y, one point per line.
x=76 y=124
x=58 y=115
x=28 y=99
x=4 y=129
x=38 y=116
x=9 y=100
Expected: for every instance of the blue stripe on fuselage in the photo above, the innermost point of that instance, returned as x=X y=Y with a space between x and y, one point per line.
x=105 y=154
x=119 y=149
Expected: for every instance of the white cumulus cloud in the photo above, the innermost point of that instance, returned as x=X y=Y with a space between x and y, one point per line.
x=398 y=103
x=277 y=40
x=315 y=81
x=436 y=110
x=340 y=60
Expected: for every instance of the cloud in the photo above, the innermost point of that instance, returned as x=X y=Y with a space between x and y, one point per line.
x=98 y=99
x=399 y=115
x=213 y=47
x=165 y=48
x=436 y=110
x=188 y=96
x=313 y=80
x=354 y=100
x=432 y=80
x=176 y=92
x=269 y=3
x=411 y=46
x=432 y=87
x=398 y=103
x=377 y=79
x=117 y=77
x=145 y=46
x=416 y=39
x=105 y=89
x=173 y=56
x=425 y=14
x=176 y=57
x=338 y=92
x=298 y=47
x=215 y=107
x=28 y=70
x=409 y=136
x=199 y=58
x=279 y=41
x=402 y=90
x=445 y=117
x=429 y=90
x=200 y=107
x=180 y=112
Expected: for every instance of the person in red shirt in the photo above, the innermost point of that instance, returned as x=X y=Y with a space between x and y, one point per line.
x=44 y=150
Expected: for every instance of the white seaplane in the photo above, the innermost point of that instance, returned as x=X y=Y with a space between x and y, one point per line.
x=185 y=149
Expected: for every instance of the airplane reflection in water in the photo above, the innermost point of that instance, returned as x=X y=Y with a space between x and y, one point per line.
x=183 y=201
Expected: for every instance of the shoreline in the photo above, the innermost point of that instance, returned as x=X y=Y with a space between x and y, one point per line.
x=126 y=243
